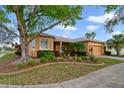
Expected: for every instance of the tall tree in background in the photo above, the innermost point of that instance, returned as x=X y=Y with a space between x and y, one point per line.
x=117 y=42
x=93 y=34
x=87 y=35
x=90 y=35
x=29 y=19
x=118 y=17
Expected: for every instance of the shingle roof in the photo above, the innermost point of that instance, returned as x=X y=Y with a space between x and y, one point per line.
x=63 y=39
x=78 y=39
x=47 y=35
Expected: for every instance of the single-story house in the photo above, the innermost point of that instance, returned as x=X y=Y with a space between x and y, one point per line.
x=59 y=44
x=113 y=51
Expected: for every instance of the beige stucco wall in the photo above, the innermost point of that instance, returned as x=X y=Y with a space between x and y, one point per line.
x=33 y=51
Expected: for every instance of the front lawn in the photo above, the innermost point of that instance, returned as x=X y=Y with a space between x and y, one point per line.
x=7 y=57
x=55 y=73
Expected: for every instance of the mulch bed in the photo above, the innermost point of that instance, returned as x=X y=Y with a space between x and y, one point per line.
x=9 y=67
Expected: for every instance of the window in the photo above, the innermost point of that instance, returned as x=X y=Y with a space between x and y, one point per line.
x=33 y=43
x=44 y=44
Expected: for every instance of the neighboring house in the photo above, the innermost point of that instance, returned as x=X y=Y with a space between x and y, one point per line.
x=60 y=44
x=113 y=51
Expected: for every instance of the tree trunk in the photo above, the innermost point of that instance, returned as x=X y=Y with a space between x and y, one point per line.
x=24 y=47
x=118 y=52
x=23 y=35
x=24 y=50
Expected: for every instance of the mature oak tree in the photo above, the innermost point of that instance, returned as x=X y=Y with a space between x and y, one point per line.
x=37 y=18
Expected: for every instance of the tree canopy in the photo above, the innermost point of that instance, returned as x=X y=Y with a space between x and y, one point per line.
x=118 y=11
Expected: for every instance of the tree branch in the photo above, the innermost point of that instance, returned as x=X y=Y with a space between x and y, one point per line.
x=42 y=30
x=33 y=23
x=4 y=27
x=51 y=26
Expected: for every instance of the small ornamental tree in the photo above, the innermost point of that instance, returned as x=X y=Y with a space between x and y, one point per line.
x=76 y=46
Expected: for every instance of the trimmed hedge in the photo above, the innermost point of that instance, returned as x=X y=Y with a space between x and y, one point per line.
x=46 y=56
x=107 y=52
x=82 y=53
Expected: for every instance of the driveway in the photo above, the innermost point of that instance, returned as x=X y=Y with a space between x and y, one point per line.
x=110 y=77
x=113 y=57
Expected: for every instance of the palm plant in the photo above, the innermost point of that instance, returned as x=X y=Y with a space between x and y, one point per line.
x=90 y=35
x=93 y=34
x=117 y=42
x=87 y=35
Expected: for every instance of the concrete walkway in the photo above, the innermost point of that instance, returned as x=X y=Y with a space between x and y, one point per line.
x=110 y=77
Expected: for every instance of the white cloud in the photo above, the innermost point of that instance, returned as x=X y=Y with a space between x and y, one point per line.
x=116 y=33
x=67 y=34
x=92 y=27
x=100 y=19
x=68 y=28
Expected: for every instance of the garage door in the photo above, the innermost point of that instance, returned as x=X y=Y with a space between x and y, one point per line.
x=97 y=50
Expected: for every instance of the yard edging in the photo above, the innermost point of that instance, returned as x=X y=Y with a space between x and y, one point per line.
x=28 y=69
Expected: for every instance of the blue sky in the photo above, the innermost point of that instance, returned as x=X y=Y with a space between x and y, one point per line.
x=93 y=20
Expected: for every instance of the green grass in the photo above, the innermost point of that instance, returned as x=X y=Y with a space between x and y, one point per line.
x=55 y=73
x=7 y=57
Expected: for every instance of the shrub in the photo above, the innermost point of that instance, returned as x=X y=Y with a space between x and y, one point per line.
x=80 y=53
x=79 y=59
x=62 y=59
x=107 y=52
x=84 y=57
x=46 y=56
x=92 y=58
x=74 y=57
x=21 y=65
x=31 y=62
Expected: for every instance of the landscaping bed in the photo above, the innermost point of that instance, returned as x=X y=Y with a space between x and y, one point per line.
x=8 y=67
x=8 y=62
x=54 y=73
